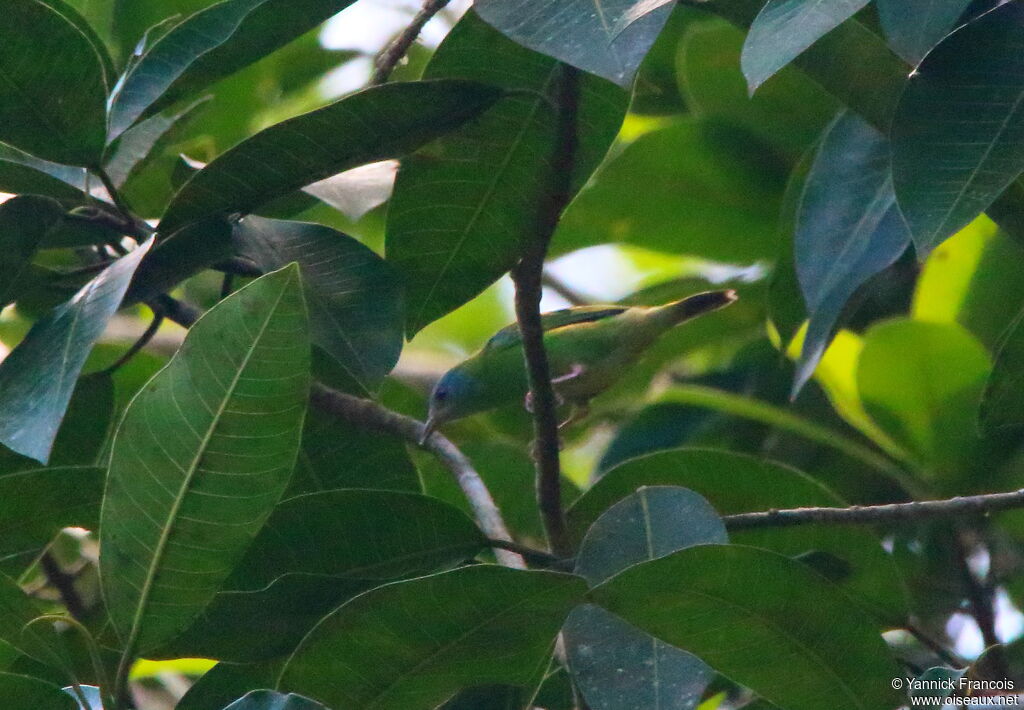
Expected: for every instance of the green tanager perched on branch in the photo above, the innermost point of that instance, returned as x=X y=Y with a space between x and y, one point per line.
x=589 y=348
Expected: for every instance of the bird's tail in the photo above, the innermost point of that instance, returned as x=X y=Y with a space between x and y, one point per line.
x=696 y=305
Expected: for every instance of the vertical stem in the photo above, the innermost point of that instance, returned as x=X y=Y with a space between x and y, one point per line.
x=981 y=598
x=528 y=276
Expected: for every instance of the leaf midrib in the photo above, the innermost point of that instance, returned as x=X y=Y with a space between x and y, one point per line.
x=158 y=552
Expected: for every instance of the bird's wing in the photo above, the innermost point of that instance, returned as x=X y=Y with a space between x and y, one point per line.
x=509 y=335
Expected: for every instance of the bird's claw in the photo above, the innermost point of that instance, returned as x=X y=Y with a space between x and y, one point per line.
x=575 y=370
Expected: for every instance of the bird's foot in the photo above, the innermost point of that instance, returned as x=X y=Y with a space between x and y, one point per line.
x=574 y=371
x=580 y=411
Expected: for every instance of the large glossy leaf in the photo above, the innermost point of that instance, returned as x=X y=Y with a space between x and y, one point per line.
x=36 y=504
x=762 y=620
x=225 y=683
x=21 y=691
x=16 y=630
x=382 y=122
x=312 y=555
x=53 y=93
x=463 y=208
x=605 y=37
x=202 y=456
x=923 y=383
x=788 y=113
x=24 y=224
x=21 y=173
x=73 y=15
x=356 y=301
x=135 y=146
x=210 y=45
x=717 y=195
x=617 y=665
x=848 y=228
x=270 y=700
x=38 y=377
x=736 y=483
x=915 y=26
x=955 y=132
x=784 y=29
x=411 y=645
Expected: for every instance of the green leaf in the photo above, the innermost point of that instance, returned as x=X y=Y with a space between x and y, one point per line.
x=35 y=505
x=72 y=15
x=617 y=665
x=38 y=377
x=52 y=99
x=736 y=483
x=21 y=691
x=954 y=135
x=717 y=196
x=411 y=645
x=24 y=224
x=789 y=113
x=133 y=148
x=1003 y=405
x=382 y=122
x=216 y=433
x=599 y=36
x=922 y=383
x=848 y=228
x=210 y=45
x=269 y=700
x=356 y=300
x=490 y=172
x=784 y=29
x=915 y=26
x=330 y=533
x=21 y=173
x=225 y=682
x=763 y=621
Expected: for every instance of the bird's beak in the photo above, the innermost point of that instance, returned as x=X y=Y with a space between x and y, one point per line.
x=428 y=429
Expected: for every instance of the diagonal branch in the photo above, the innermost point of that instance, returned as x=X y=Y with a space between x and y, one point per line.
x=396 y=51
x=528 y=276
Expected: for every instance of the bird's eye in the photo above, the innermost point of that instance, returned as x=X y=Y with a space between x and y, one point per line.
x=441 y=395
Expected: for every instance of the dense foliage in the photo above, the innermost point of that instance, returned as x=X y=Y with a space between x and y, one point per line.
x=230 y=296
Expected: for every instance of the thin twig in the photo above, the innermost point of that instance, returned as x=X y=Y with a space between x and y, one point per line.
x=238 y=266
x=943 y=654
x=64 y=583
x=528 y=278
x=367 y=414
x=114 y=193
x=564 y=290
x=980 y=599
x=871 y=514
x=394 y=53
x=537 y=557
x=138 y=345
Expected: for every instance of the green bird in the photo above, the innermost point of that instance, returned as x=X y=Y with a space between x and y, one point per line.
x=589 y=348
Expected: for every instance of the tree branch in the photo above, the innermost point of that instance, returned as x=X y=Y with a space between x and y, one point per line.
x=564 y=290
x=367 y=414
x=528 y=276
x=893 y=512
x=399 y=47
x=138 y=345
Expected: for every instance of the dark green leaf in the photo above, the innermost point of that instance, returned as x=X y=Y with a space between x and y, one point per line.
x=16 y=630
x=184 y=254
x=915 y=26
x=36 y=504
x=790 y=112
x=68 y=11
x=716 y=195
x=463 y=208
x=52 y=99
x=605 y=37
x=762 y=620
x=216 y=433
x=269 y=700
x=356 y=300
x=617 y=665
x=225 y=682
x=848 y=228
x=382 y=122
x=923 y=383
x=736 y=483
x=955 y=133
x=210 y=45
x=21 y=691
x=135 y=146
x=411 y=645
x=24 y=224
x=21 y=173
x=330 y=533
x=38 y=377
x=784 y=29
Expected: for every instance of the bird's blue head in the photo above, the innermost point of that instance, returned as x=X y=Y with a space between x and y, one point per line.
x=450 y=399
